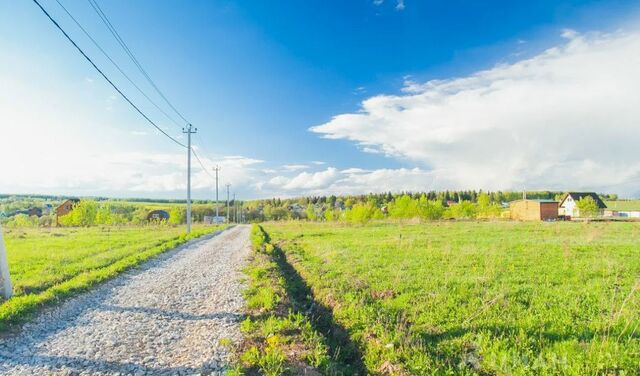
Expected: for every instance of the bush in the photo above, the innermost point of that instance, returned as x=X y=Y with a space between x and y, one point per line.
x=311 y=213
x=430 y=210
x=462 y=210
x=329 y=215
x=486 y=209
x=363 y=213
x=22 y=220
x=84 y=213
x=177 y=215
x=403 y=207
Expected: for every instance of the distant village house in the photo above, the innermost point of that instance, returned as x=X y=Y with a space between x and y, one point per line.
x=569 y=203
x=65 y=208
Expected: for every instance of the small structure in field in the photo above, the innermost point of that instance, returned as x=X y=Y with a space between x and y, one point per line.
x=621 y=213
x=37 y=212
x=158 y=215
x=568 y=206
x=534 y=210
x=65 y=208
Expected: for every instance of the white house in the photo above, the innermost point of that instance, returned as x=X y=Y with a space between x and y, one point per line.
x=568 y=206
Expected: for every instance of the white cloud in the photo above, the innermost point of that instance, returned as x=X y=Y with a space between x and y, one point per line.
x=295 y=167
x=399 y=4
x=315 y=180
x=565 y=119
x=318 y=163
x=350 y=181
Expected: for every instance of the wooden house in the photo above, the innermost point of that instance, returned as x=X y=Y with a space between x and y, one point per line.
x=65 y=208
x=533 y=210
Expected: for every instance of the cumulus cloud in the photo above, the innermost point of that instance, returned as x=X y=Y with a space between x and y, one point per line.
x=350 y=181
x=295 y=167
x=564 y=119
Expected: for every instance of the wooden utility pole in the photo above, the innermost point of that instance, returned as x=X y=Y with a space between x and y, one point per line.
x=6 y=290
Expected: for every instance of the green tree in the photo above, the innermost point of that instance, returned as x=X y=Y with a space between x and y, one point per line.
x=22 y=220
x=363 y=213
x=83 y=214
x=329 y=215
x=430 y=210
x=104 y=215
x=486 y=208
x=177 y=215
x=463 y=210
x=403 y=207
x=588 y=207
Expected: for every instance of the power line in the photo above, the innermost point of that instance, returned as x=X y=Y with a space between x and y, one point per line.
x=96 y=7
x=201 y=164
x=204 y=146
x=116 y=65
x=105 y=76
x=116 y=35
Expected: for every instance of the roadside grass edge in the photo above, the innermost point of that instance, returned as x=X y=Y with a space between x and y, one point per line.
x=21 y=309
x=281 y=331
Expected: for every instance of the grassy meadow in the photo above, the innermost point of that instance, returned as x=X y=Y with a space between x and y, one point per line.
x=623 y=205
x=470 y=297
x=50 y=263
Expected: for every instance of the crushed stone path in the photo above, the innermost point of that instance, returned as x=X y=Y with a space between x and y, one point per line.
x=174 y=315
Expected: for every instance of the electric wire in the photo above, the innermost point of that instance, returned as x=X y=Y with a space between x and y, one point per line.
x=116 y=35
x=116 y=65
x=105 y=76
x=96 y=7
x=201 y=164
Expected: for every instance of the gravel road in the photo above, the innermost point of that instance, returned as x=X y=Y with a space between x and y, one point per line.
x=166 y=317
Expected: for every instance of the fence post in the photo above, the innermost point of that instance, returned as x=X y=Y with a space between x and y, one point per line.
x=5 y=289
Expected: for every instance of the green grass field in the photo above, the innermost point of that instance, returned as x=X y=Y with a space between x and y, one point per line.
x=48 y=264
x=623 y=205
x=477 y=297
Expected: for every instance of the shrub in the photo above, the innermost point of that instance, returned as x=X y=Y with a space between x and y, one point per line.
x=311 y=213
x=329 y=215
x=22 y=220
x=177 y=215
x=430 y=210
x=403 y=207
x=486 y=209
x=363 y=213
x=84 y=213
x=462 y=210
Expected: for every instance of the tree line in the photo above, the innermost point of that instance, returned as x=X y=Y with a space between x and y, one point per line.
x=432 y=205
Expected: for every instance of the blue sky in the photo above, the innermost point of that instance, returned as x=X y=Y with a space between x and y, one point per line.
x=255 y=76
